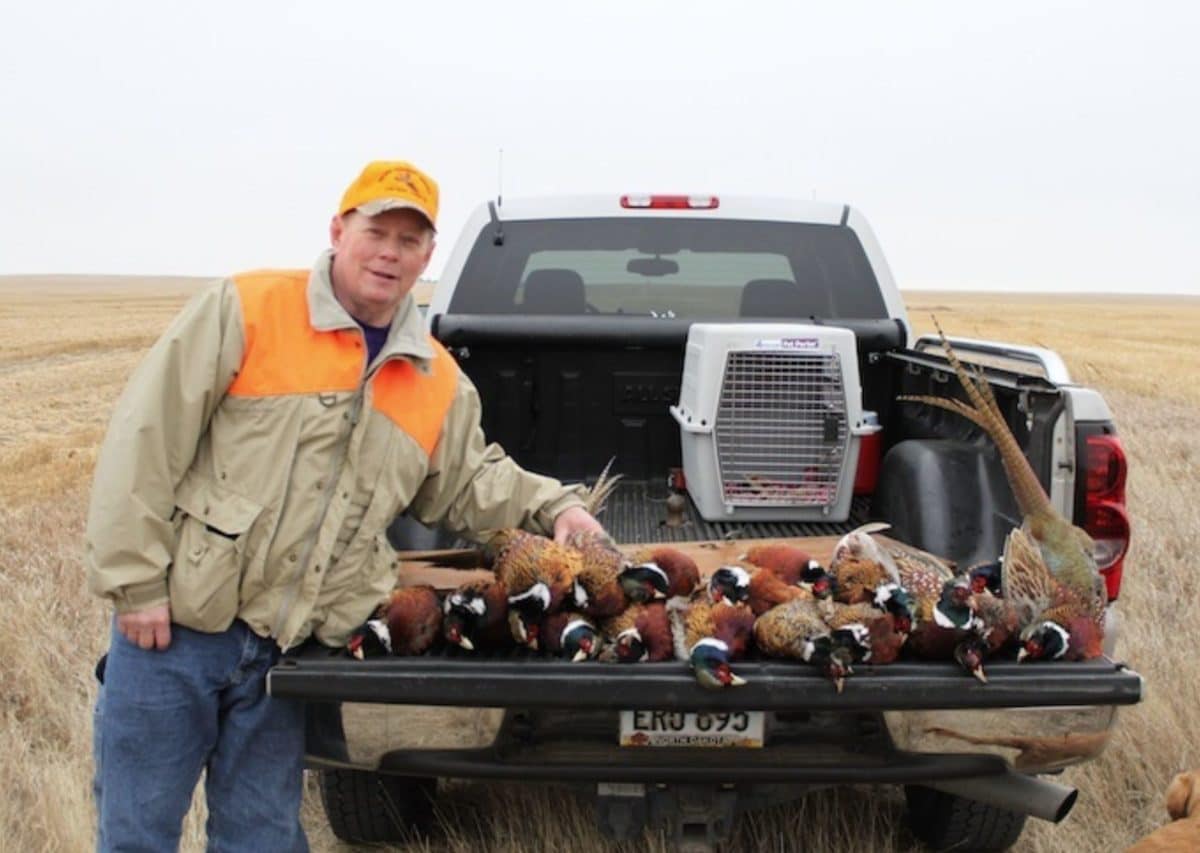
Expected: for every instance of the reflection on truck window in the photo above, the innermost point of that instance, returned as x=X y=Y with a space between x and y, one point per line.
x=669 y=268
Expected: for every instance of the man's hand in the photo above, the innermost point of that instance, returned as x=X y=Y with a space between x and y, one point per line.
x=151 y=628
x=575 y=519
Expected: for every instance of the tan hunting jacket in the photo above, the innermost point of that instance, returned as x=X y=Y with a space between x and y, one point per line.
x=254 y=461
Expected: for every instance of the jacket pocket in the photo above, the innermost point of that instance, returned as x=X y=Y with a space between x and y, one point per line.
x=346 y=606
x=210 y=554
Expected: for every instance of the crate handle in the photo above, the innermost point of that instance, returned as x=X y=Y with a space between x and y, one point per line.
x=686 y=423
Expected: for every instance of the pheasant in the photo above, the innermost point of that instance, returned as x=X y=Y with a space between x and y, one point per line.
x=995 y=629
x=797 y=629
x=713 y=636
x=883 y=640
x=406 y=624
x=860 y=565
x=1067 y=551
x=571 y=636
x=767 y=589
x=944 y=621
x=538 y=574
x=1057 y=620
x=597 y=586
x=642 y=632
x=660 y=572
x=787 y=561
x=477 y=614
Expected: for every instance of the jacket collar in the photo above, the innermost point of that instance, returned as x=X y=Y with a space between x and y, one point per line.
x=407 y=337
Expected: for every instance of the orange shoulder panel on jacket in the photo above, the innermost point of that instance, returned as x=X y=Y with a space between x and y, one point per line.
x=417 y=402
x=284 y=354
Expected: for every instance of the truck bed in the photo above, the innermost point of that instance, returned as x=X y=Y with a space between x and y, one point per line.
x=637 y=512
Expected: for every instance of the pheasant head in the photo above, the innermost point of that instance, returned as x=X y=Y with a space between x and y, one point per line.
x=1043 y=641
x=970 y=654
x=371 y=639
x=895 y=599
x=729 y=585
x=643 y=582
x=710 y=661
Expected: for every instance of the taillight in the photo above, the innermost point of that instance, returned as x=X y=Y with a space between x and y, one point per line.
x=1105 y=518
x=671 y=202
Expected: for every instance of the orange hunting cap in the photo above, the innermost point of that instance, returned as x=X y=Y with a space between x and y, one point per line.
x=391 y=184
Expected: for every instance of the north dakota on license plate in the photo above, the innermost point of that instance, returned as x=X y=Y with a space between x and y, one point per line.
x=692 y=728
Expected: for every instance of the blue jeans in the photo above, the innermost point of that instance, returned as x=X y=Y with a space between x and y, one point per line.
x=201 y=704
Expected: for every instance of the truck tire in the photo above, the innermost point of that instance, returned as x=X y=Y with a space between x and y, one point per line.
x=366 y=807
x=946 y=822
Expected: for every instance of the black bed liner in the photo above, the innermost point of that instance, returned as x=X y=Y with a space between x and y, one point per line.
x=637 y=512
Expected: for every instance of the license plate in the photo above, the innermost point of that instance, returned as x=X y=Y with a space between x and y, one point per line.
x=692 y=728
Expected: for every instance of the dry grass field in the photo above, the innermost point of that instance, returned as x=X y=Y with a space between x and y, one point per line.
x=68 y=344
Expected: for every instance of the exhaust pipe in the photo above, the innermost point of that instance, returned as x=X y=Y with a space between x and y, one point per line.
x=1014 y=792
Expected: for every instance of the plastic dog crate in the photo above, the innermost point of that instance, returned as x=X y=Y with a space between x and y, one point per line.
x=770 y=418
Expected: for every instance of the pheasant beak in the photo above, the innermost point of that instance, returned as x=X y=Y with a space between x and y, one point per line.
x=735 y=680
x=840 y=683
x=580 y=655
x=356 y=647
x=466 y=643
x=980 y=674
x=517 y=624
x=1022 y=654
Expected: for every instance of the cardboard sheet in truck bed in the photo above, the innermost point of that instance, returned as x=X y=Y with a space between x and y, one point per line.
x=447 y=570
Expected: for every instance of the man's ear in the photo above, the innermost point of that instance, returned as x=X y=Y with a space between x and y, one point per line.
x=337 y=227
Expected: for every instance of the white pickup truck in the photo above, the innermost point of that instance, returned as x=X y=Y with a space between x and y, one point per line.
x=573 y=317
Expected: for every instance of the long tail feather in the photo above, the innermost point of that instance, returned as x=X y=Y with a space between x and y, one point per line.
x=985 y=413
x=598 y=494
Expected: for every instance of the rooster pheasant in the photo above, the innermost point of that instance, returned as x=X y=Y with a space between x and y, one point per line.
x=1067 y=552
x=406 y=624
x=598 y=590
x=642 y=632
x=860 y=565
x=883 y=639
x=571 y=636
x=1057 y=620
x=797 y=629
x=767 y=589
x=476 y=614
x=789 y=562
x=711 y=636
x=538 y=574
x=660 y=572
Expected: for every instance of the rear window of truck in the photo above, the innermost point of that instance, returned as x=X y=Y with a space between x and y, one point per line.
x=669 y=268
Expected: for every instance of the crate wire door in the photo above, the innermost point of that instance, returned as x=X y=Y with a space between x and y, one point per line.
x=781 y=429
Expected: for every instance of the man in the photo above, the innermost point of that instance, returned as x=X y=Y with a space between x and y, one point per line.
x=239 y=506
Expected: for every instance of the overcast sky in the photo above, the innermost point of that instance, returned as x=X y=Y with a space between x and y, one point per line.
x=1047 y=145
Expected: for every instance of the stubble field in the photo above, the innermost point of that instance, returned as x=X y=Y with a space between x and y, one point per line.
x=67 y=346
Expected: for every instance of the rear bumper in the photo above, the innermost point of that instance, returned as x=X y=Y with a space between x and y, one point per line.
x=532 y=718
